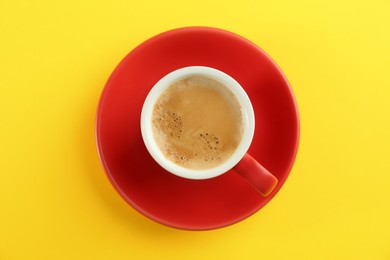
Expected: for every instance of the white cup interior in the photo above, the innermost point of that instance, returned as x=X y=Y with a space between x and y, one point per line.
x=168 y=80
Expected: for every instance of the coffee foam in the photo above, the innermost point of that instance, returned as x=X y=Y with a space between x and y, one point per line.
x=197 y=123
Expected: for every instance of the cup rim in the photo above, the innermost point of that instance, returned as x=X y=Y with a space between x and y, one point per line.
x=168 y=80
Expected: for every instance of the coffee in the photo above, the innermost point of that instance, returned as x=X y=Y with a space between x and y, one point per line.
x=197 y=123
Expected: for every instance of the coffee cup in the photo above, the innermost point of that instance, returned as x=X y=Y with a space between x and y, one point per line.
x=198 y=123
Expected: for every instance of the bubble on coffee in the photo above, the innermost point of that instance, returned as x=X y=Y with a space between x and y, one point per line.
x=197 y=123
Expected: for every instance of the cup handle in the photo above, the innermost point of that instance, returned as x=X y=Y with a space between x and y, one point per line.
x=258 y=176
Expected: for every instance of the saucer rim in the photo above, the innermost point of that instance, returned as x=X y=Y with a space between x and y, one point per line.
x=164 y=221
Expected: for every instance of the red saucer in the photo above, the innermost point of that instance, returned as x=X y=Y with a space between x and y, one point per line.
x=162 y=196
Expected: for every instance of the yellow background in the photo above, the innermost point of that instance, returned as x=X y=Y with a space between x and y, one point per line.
x=55 y=201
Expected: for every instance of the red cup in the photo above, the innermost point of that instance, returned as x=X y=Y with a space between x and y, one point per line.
x=243 y=163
